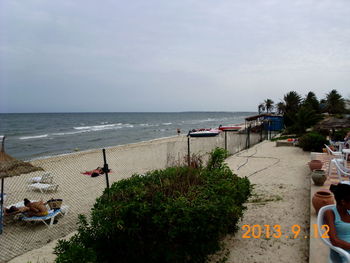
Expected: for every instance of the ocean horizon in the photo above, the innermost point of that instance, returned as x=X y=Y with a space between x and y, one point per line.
x=41 y=135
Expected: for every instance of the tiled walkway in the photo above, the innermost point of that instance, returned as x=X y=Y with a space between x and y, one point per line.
x=318 y=250
x=333 y=178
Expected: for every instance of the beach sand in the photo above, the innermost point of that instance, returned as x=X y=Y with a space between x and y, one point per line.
x=281 y=194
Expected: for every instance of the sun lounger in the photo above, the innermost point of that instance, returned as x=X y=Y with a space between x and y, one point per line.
x=43 y=187
x=50 y=217
x=63 y=210
x=46 y=178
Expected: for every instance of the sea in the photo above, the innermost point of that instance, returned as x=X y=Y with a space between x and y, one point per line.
x=32 y=136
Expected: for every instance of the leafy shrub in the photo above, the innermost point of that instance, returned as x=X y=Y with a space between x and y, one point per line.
x=196 y=161
x=178 y=214
x=217 y=158
x=312 y=141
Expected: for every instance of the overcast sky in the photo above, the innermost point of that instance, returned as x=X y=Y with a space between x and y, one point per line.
x=156 y=55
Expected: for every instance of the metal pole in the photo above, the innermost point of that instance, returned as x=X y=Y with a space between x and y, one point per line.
x=2 y=205
x=225 y=140
x=105 y=169
x=249 y=127
x=188 y=150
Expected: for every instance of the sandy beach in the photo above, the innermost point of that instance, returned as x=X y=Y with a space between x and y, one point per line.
x=281 y=197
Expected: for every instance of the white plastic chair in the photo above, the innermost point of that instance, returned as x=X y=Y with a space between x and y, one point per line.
x=334 y=162
x=335 y=156
x=46 y=178
x=320 y=223
x=341 y=169
x=334 y=153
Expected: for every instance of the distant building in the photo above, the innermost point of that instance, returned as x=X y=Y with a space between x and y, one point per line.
x=269 y=121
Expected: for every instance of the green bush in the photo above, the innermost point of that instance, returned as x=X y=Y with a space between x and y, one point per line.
x=312 y=141
x=179 y=214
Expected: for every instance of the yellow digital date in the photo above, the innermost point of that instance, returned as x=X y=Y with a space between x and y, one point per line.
x=275 y=231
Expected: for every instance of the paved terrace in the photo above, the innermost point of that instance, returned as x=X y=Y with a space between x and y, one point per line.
x=319 y=252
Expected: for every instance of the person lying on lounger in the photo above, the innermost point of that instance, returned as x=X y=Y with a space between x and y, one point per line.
x=13 y=210
x=35 y=208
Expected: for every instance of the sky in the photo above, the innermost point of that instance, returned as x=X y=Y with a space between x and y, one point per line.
x=156 y=55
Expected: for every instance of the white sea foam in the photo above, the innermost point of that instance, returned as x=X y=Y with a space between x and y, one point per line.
x=148 y=125
x=34 y=137
x=104 y=127
x=167 y=123
x=68 y=133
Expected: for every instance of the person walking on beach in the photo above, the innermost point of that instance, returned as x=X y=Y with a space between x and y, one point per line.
x=178 y=131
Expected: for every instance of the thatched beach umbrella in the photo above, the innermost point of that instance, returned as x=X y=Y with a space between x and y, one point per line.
x=333 y=123
x=9 y=167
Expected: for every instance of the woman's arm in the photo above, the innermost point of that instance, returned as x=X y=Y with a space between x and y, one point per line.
x=329 y=220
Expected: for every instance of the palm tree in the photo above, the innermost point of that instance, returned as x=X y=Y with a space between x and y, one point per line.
x=261 y=107
x=311 y=102
x=280 y=107
x=335 y=102
x=269 y=105
x=292 y=101
x=292 y=104
x=304 y=119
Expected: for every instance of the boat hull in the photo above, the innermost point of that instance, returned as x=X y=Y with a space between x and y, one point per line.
x=203 y=134
x=222 y=128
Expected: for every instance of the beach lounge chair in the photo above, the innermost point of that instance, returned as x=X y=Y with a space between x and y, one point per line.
x=50 y=217
x=46 y=178
x=320 y=222
x=43 y=187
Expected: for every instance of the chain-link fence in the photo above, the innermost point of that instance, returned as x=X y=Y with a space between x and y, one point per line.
x=79 y=191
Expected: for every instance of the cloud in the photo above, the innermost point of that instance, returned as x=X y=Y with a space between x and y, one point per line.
x=169 y=55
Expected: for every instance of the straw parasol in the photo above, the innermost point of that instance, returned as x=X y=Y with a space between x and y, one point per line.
x=9 y=167
x=333 y=123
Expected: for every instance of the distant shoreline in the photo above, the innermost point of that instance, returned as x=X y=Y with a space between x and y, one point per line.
x=146 y=112
x=34 y=136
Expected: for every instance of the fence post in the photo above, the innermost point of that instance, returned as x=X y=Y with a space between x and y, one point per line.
x=188 y=150
x=225 y=140
x=2 y=205
x=248 y=138
x=105 y=169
